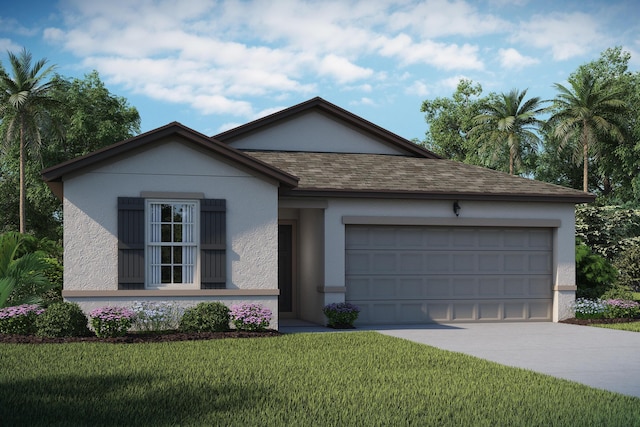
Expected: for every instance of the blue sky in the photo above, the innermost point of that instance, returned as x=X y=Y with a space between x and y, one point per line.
x=213 y=65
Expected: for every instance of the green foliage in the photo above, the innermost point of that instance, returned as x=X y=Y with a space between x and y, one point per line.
x=622 y=309
x=361 y=378
x=450 y=120
x=25 y=111
x=605 y=229
x=617 y=292
x=341 y=314
x=585 y=113
x=509 y=123
x=19 y=320
x=87 y=117
x=206 y=317
x=111 y=321
x=594 y=274
x=22 y=276
x=628 y=264
x=62 y=319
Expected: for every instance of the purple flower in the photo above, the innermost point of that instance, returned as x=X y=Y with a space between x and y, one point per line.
x=250 y=317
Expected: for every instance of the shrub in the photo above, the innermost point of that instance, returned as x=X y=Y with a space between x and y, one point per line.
x=594 y=274
x=617 y=292
x=19 y=320
x=618 y=308
x=111 y=321
x=205 y=317
x=156 y=316
x=62 y=319
x=250 y=317
x=341 y=314
x=589 y=309
x=628 y=263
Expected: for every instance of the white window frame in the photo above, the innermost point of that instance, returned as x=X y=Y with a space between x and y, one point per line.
x=190 y=253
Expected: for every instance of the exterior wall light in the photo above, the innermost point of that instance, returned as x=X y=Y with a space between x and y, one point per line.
x=456 y=208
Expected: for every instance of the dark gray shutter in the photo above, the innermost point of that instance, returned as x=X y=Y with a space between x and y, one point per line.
x=131 y=243
x=213 y=244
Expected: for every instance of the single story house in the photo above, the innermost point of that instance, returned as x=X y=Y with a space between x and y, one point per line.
x=309 y=206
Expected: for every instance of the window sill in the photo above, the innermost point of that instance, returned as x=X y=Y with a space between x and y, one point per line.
x=170 y=293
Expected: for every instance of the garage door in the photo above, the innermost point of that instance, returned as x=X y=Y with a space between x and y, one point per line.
x=407 y=274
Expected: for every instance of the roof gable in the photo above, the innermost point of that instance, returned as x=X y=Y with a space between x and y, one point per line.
x=53 y=176
x=319 y=126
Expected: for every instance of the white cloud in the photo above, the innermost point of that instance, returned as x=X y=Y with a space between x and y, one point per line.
x=342 y=70
x=512 y=59
x=418 y=88
x=9 y=45
x=441 y=55
x=364 y=101
x=440 y=18
x=567 y=34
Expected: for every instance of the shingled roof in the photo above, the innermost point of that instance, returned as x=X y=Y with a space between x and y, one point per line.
x=376 y=175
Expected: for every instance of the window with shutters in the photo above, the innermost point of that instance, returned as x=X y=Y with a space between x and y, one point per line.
x=172 y=243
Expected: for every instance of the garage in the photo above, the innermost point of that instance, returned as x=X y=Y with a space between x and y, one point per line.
x=424 y=274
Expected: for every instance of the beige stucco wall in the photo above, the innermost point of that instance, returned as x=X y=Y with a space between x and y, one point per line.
x=437 y=212
x=90 y=210
x=315 y=132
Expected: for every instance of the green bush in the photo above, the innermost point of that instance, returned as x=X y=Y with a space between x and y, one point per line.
x=62 y=319
x=628 y=264
x=594 y=274
x=206 y=317
x=617 y=291
x=19 y=320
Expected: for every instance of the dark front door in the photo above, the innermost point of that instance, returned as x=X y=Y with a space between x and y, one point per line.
x=285 y=268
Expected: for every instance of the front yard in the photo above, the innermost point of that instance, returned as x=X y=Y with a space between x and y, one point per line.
x=360 y=378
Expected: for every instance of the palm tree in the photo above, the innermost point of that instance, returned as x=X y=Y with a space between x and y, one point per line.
x=509 y=119
x=585 y=115
x=25 y=104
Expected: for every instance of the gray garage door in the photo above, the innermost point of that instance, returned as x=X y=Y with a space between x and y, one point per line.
x=407 y=274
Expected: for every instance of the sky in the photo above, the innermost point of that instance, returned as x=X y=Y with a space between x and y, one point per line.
x=214 y=65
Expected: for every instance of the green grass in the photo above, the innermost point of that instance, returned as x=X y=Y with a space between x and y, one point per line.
x=631 y=326
x=359 y=378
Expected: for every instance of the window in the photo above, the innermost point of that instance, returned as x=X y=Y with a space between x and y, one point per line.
x=172 y=243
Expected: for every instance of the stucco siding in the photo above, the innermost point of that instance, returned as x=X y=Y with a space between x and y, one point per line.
x=314 y=132
x=90 y=209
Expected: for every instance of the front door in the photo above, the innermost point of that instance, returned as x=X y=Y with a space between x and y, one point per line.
x=286 y=271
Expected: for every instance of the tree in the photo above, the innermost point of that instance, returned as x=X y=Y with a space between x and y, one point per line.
x=94 y=118
x=586 y=114
x=25 y=107
x=508 y=119
x=89 y=118
x=450 y=120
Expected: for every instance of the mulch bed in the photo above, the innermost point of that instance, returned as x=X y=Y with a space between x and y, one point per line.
x=131 y=338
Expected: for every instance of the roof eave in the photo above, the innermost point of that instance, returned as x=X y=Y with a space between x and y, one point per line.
x=398 y=194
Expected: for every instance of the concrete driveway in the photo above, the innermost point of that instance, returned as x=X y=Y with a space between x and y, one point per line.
x=598 y=357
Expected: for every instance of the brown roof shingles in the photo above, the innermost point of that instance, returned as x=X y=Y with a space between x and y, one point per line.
x=399 y=176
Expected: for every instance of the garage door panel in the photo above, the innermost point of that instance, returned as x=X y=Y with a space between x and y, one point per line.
x=426 y=311
x=432 y=274
x=376 y=287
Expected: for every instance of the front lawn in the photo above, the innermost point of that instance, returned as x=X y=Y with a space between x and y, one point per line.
x=322 y=379
x=630 y=326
